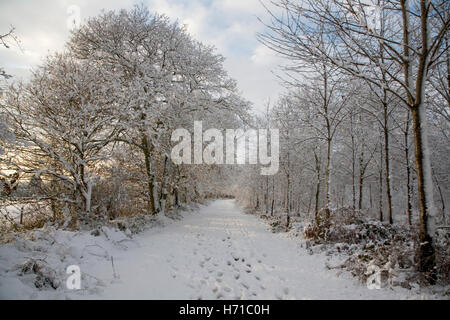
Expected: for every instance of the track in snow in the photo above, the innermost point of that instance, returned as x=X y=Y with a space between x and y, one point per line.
x=222 y=253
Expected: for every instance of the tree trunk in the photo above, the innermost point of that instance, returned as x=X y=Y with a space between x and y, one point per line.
x=387 y=170
x=362 y=169
x=327 y=176
x=380 y=186
x=273 y=195
x=362 y=172
x=441 y=196
x=423 y=166
x=408 y=173
x=267 y=195
x=165 y=183
x=417 y=107
x=310 y=201
x=177 y=196
x=329 y=138
x=150 y=175
x=316 y=207
x=353 y=164
x=361 y=186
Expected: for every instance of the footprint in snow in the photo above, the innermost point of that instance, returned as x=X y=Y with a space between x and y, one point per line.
x=245 y=285
x=220 y=296
x=190 y=285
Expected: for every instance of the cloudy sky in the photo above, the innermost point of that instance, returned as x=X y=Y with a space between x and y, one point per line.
x=230 y=25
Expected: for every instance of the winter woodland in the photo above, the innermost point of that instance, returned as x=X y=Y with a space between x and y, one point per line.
x=86 y=142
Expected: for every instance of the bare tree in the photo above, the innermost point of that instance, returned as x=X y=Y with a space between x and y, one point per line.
x=355 y=45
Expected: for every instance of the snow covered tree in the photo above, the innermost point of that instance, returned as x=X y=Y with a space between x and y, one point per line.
x=164 y=74
x=399 y=45
x=63 y=121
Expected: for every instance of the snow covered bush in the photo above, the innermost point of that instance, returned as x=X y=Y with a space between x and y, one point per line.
x=443 y=255
x=45 y=276
x=328 y=226
x=365 y=243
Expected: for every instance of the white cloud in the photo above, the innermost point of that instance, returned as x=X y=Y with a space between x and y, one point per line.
x=264 y=56
x=229 y=25
x=242 y=6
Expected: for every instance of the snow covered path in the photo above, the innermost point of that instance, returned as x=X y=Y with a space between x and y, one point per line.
x=222 y=253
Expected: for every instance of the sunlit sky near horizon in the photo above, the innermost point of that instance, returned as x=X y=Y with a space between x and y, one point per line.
x=229 y=25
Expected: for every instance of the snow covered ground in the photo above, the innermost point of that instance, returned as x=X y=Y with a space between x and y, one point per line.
x=217 y=252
